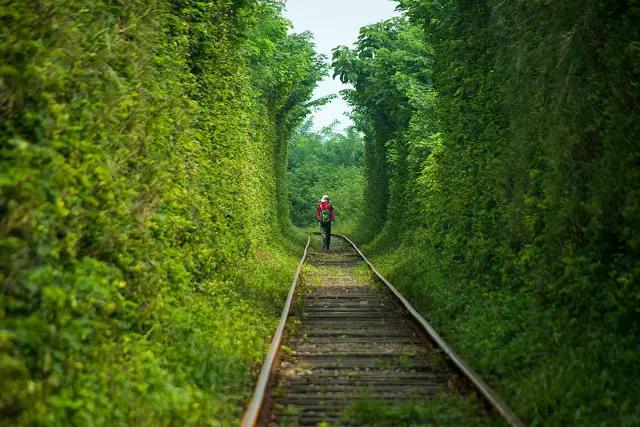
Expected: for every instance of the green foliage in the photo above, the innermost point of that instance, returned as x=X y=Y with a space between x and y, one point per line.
x=509 y=159
x=140 y=275
x=443 y=410
x=286 y=70
x=330 y=163
x=389 y=69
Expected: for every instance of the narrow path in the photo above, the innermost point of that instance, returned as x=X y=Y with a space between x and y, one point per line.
x=349 y=338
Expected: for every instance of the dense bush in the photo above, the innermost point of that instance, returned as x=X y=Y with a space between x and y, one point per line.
x=141 y=153
x=506 y=137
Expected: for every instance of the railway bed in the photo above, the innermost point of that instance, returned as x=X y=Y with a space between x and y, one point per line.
x=351 y=337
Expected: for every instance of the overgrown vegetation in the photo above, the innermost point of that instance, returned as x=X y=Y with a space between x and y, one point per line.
x=504 y=138
x=143 y=204
x=443 y=410
x=143 y=151
x=326 y=162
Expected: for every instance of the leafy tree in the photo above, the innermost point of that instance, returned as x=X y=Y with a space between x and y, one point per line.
x=388 y=67
x=326 y=162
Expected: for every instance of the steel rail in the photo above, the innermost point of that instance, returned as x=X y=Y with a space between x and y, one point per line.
x=485 y=390
x=252 y=412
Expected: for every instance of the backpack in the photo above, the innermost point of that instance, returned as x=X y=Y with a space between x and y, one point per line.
x=325 y=215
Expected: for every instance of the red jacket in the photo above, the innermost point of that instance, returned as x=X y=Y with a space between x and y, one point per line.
x=325 y=205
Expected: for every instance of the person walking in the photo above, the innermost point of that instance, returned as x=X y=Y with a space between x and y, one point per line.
x=325 y=216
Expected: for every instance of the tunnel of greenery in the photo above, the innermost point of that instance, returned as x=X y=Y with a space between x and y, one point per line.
x=155 y=154
x=503 y=137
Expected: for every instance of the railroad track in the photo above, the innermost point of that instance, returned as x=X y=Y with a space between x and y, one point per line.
x=349 y=338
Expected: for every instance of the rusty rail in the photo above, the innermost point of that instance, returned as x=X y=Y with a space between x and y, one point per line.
x=481 y=386
x=252 y=412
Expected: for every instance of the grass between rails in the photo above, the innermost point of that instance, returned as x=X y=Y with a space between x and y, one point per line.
x=445 y=410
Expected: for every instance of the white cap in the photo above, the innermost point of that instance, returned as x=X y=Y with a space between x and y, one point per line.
x=325 y=197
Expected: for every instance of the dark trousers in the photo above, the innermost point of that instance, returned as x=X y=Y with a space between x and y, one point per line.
x=325 y=230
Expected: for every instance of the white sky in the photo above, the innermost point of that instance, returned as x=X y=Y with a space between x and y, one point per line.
x=333 y=23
